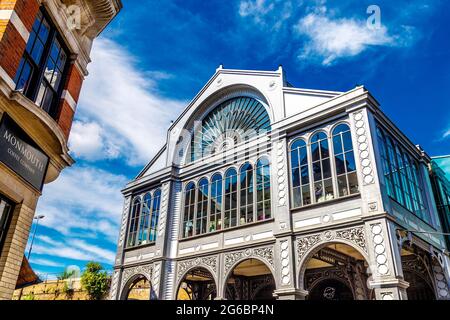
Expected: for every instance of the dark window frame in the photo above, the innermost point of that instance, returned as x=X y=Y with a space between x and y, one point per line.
x=37 y=76
x=5 y=221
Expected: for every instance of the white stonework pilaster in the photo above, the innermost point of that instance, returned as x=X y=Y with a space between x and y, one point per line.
x=385 y=265
x=280 y=184
x=171 y=247
x=362 y=138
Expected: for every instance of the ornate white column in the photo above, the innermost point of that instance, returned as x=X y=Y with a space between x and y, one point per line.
x=385 y=265
x=440 y=274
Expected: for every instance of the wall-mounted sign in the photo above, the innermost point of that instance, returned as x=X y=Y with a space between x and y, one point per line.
x=21 y=154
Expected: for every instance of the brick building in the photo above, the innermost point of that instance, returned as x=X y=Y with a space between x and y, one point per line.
x=44 y=53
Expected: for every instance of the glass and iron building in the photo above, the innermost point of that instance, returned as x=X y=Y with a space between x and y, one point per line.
x=266 y=191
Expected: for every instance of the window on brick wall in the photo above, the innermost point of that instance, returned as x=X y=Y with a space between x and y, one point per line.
x=43 y=65
x=5 y=217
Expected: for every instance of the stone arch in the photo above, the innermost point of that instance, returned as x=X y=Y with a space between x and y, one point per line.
x=264 y=254
x=200 y=267
x=318 y=245
x=309 y=245
x=132 y=280
x=242 y=259
x=134 y=272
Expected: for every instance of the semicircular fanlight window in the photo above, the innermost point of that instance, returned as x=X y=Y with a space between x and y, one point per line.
x=230 y=123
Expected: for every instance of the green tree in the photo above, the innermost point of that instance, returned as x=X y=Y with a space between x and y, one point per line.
x=66 y=275
x=95 y=280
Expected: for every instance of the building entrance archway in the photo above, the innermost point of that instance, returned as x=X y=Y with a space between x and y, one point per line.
x=137 y=288
x=197 y=284
x=251 y=279
x=336 y=271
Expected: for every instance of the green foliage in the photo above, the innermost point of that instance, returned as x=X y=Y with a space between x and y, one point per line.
x=95 y=281
x=68 y=291
x=29 y=296
x=66 y=275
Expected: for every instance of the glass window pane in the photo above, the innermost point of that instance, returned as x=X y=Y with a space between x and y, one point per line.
x=48 y=73
x=294 y=158
x=329 y=193
x=296 y=177
x=319 y=192
x=342 y=185
x=347 y=141
x=326 y=168
x=317 y=171
x=44 y=31
x=296 y=197
x=337 y=145
x=303 y=156
x=324 y=149
x=37 y=21
x=340 y=164
x=26 y=72
x=350 y=161
x=54 y=51
x=36 y=54
x=31 y=41
x=48 y=100
x=41 y=94
x=306 y=195
x=353 y=182
x=305 y=175
x=315 y=152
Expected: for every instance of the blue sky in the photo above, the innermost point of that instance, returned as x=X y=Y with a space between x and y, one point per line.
x=156 y=55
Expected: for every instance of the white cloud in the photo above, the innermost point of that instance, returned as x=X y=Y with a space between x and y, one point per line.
x=256 y=8
x=446 y=134
x=121 y=114
x=88 y=141
x=69 y=248
x=47 y=263
x=330 y=39
x=85 y=202
x=271 y=14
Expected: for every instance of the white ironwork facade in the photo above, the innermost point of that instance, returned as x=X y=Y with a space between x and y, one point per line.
x=265 y=188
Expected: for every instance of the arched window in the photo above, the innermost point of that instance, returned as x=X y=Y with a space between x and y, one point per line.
x=215 y=218
x=230 y=214
x=246 y=195
x=344 y=158
x=134 y=221
x=320 y=154
x=301 y=192
x=202 y=207
x=155 y=214
x=145 y=219
x=263 y=206
x=231 y=122
x=386 y=162
x=189 y=210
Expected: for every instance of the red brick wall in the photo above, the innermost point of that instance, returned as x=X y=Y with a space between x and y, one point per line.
x=73 y=86
x=11 y=50
x=74 y=82
x=12 y=45
x=27 y=11
x=65 y=117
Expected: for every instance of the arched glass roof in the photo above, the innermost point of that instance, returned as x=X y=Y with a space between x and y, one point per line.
x=230 y=123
